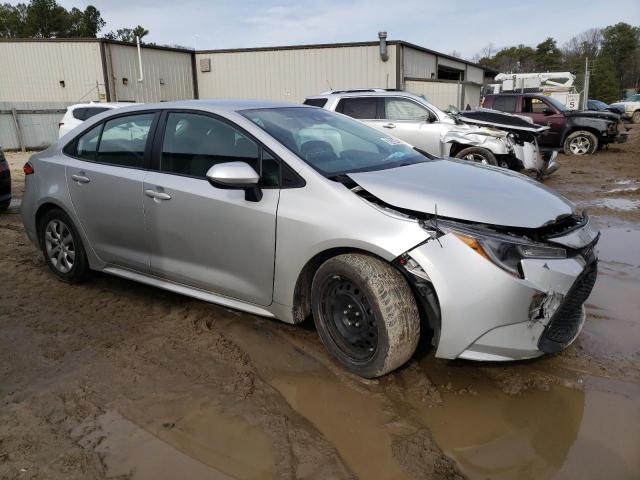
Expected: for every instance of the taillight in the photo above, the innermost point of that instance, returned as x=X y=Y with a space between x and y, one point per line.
x=28 y=169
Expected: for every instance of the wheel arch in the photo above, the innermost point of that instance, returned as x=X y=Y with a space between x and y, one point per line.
x=428 y=308
x=43 y=209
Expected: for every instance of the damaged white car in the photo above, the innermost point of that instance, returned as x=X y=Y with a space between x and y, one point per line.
x=482 y=136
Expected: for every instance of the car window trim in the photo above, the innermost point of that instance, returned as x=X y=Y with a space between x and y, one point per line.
x=156 y=151
x=147 y=148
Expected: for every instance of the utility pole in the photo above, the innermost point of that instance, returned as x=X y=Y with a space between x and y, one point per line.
x=586 y=83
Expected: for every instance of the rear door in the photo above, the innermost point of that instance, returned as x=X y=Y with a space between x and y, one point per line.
x=205 y=236
x=105 y=176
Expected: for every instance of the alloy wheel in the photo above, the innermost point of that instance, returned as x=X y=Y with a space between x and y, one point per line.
x=59 y=245
x=477 y=158
x=580 y=145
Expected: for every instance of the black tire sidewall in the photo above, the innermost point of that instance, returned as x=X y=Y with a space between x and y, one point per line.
x=80 y=268
x=323 y=277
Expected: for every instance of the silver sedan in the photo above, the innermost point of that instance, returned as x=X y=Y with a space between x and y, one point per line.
x=291 y=212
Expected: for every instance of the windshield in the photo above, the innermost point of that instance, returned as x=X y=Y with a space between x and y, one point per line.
x=597 y=104
x=331 y=143
x=633 y=98
x=557 y=104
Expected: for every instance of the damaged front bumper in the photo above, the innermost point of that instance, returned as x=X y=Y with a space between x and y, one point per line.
x=489 y=314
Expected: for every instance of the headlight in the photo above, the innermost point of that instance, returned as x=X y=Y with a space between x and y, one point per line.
x=503 y=250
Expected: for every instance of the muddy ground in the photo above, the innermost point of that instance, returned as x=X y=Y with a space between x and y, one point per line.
x=113 y=379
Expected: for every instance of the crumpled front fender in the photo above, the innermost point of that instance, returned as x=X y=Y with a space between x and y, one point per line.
x=495 y=144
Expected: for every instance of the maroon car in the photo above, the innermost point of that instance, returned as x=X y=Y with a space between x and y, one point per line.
x=576 y=132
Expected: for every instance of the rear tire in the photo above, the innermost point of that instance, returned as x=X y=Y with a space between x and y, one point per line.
x=580 y=142
x=4 y=206
x=478 y=155
x=635 y=118
x=365 y=314
x=62 y=247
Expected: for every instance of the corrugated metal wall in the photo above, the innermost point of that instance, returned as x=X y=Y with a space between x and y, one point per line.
x=418 y=64
x=32 y=71
x=39 y=130
x=439 y=94
x=167 y=74
x=293 y=74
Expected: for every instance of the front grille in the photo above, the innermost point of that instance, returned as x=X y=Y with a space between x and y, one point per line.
x=565 y=323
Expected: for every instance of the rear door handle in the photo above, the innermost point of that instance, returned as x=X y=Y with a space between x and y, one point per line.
x=389 y=125
x=80 y=178
x=157 y=195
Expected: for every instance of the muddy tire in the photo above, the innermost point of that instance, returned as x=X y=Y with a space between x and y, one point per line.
x=365 y=314
x=635 y=118
x=580 y=142
x=62 y=247
x=477 y=155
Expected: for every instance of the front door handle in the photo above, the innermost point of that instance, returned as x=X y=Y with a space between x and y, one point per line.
x=80 y=178
x=157 y=195
x=389 y=125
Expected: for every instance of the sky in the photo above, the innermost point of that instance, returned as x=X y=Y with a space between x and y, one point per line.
x=465 y=26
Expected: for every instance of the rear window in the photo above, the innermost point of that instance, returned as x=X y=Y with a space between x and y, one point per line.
x=91 y=111
x=505 y=103
x=79 y=113
x=316 y=102
x=364 y=108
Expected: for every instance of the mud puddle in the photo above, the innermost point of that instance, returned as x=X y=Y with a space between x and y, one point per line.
x=186 y=439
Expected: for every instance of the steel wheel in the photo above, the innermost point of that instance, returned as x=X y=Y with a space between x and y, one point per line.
x=580 y=145
x=351 y=322
x=59 y=245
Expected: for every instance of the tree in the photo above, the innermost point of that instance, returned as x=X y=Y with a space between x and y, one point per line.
x=47 y=19
x=621 y=42
x=512 y=59
x=604 y=85
x=128 y=34
x=548 y=56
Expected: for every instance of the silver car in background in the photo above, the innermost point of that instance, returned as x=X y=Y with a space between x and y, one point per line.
x=291 y=211
x=483 y=136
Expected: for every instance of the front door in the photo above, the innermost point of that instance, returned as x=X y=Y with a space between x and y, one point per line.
x=105 y=175
x=544 y=113
x=201 y=235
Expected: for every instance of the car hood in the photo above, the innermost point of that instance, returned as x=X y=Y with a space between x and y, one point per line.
x=592 y=114
x=465 y=191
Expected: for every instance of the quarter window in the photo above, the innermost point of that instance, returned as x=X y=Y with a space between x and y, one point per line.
x=364 y=108
x=403 y=109
x=316 y=102
x=124 y=139
x=193 y=143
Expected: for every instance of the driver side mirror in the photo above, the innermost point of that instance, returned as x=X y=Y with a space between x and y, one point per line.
x=237 y=176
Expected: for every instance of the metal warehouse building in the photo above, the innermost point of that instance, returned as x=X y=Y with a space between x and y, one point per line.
x=291 y=73
x=39 y=78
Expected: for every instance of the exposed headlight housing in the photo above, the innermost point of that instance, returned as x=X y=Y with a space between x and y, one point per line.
x=505 y=251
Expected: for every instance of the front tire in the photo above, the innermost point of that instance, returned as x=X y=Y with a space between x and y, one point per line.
x=635 y=118
x=580 y=142
x=478 y=155
x=365 y=314
x=62 y=247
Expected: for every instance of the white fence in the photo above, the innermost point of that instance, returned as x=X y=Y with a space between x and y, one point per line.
x=29 y=125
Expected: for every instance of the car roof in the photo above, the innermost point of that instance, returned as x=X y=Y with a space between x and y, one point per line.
x=363 y=92
x=229 y=105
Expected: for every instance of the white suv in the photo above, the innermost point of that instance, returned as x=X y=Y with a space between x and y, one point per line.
x=482 y=136
x=76 y=114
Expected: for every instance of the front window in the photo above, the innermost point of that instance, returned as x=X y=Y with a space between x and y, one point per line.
x=558 y=105
x=333 y=144
x=403 y=109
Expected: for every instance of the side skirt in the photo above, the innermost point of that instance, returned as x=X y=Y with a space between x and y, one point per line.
x=188 y=291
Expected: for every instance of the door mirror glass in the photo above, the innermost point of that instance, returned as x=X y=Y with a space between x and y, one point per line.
x=233 y=174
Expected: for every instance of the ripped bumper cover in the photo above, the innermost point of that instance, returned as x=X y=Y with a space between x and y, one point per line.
x=488 y=314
